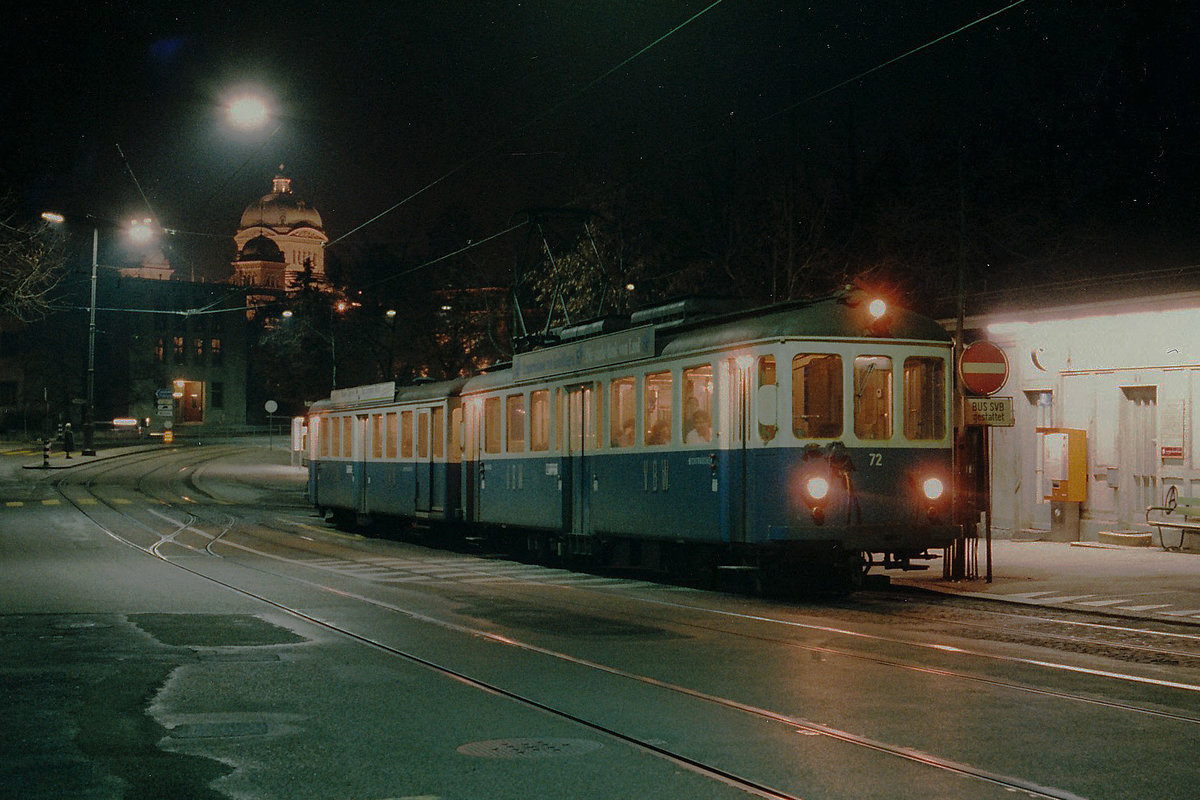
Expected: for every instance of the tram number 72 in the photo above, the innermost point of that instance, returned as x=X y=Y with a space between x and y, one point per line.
x=876 y=459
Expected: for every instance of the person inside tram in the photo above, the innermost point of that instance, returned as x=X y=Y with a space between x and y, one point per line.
x=701 y=428
x=659 y=433
x=625 y=438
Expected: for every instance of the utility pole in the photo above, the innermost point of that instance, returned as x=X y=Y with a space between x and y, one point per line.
x=89 y=445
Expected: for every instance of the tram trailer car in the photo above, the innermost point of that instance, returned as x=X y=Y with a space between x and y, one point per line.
x=805 y=442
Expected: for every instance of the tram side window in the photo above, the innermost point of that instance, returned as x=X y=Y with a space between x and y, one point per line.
x=621 y=412
x=515 y=413
x=539 y=420
x=347 y=437
x=924 y=397
x=377 y=436
x=658 y=408
x=766 y=377
x=439 y=432
x=406 y=434
x=491 y=425
x=817 y=396
x=697 y=404
x=391 y=427
x=873 y=397
x=325 y=437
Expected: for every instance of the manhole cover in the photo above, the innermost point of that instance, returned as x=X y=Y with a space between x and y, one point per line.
x=528 y=748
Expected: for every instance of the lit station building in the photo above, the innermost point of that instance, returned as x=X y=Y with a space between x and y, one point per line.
x=1104 y=388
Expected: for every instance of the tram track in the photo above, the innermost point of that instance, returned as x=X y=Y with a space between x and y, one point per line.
x=196 y=522
x=1036 y=628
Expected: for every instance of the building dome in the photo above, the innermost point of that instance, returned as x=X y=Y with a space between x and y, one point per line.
x=280 y=210
x=260 y=248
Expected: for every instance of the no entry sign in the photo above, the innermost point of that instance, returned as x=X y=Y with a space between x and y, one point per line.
x=983 y=368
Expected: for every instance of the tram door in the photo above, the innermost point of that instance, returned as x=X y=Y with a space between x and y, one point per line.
x=736 y=418
x=358 y=458
x=424 y=465
x=579 y=440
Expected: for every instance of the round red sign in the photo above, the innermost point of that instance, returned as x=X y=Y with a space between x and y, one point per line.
x=983 y=368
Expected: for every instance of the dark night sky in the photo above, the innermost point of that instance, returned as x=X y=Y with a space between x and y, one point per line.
x=1087 y=110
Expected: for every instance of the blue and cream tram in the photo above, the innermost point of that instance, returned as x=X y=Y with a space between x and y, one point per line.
x=808 y=439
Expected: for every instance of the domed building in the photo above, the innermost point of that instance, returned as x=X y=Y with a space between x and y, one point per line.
x=279 y=237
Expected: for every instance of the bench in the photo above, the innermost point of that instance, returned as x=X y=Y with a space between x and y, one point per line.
x=1179 y=513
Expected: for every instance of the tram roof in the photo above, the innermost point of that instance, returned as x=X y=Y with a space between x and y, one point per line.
x=841 y=317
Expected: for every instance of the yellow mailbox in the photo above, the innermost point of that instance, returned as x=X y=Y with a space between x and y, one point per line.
x=1065 y=463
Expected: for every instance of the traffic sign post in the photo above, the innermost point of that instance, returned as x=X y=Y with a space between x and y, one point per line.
x=983 y=368
x=270 y=407
x=982 y=371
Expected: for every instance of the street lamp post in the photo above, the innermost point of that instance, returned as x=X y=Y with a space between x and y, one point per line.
x=89 y=444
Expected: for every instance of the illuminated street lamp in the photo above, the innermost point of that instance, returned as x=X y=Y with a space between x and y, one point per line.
x=141 y=232
x=248 y=112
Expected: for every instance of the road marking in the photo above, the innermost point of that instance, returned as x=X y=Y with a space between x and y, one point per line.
x=87 y=501
x=14 y=504
x=1067 y=599
x=53 y=501
x=1144 y=608
x=1191 y=612
x=122 y=501
x=1103 y=602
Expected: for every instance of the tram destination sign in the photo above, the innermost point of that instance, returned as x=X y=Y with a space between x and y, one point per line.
x=991 y=412
x=600 y=351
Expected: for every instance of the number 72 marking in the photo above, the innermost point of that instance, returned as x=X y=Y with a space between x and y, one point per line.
x=876 y=459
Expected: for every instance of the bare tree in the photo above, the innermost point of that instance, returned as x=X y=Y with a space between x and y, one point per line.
x=31 y=265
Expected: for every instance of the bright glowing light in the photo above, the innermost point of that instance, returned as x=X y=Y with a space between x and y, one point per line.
x=248 y=112
x=287 y=314
x=877 y=308
x=342 y=305
x=390 y=313
x=933 y=488
x=125 y=422
x=817 y=488
x=53 y=216
x=141 y=231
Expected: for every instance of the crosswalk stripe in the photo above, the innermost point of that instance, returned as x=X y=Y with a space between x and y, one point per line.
x=1191 y=612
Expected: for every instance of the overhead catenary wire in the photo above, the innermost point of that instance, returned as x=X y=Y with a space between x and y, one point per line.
x=890 y=61
x=494 y=146
x=469 y=246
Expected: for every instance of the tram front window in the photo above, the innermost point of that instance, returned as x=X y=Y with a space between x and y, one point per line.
x=924 y=397
x=817 y=396
x=873 y=397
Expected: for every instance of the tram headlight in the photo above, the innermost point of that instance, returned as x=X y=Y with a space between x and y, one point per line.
x=933 y=488
x=817 y=488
